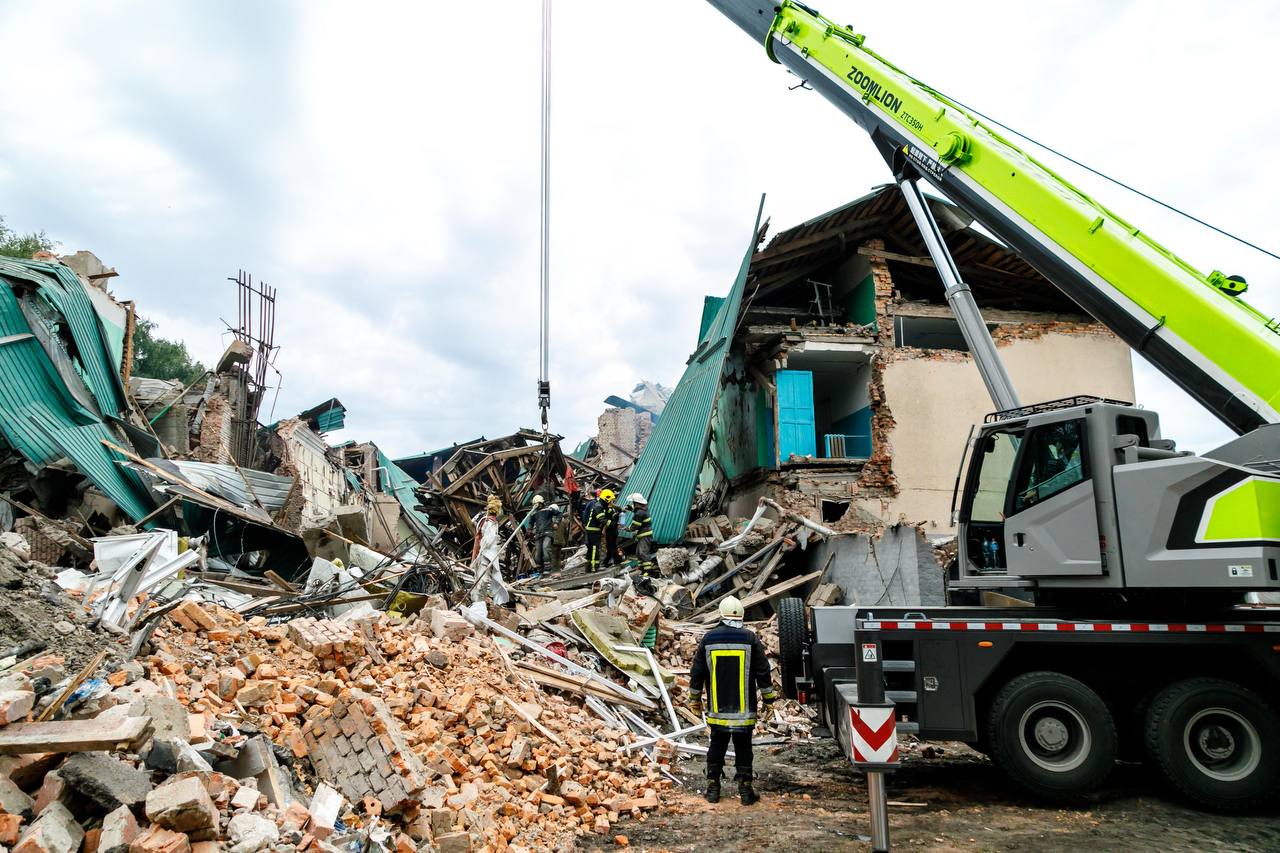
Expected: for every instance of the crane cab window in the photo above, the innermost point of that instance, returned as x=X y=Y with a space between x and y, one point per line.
x=1052 y=461
x=986 y=493
x=998 y=452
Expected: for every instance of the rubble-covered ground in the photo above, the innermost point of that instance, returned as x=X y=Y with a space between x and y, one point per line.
x=34 y=609
x=811 y=800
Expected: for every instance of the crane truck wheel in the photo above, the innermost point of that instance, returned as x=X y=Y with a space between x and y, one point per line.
x=1052 y=734
x=791 y=641
x=1217 y=743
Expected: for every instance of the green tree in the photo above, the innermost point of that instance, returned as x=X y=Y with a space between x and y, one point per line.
x=16 y=245
x=158 y=358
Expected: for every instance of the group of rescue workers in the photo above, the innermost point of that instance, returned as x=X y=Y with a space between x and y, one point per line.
x=730 y=664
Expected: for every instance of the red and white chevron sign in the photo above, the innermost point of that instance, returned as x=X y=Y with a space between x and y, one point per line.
x=873 y=734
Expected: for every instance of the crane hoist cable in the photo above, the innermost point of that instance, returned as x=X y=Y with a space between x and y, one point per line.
x=544 y=304
x=1101 y=174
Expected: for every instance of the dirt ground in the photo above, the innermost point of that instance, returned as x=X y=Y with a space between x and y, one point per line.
x=812 y=801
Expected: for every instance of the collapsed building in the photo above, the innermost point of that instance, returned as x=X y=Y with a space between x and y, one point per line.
x=623 y=429
x=834 y=380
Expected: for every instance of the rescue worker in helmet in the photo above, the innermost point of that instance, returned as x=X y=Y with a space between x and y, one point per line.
x=542 y=521
x=730 y=664
x=602 y=526
x=641 y=528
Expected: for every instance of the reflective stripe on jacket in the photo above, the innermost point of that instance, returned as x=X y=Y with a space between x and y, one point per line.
x=641 y=522
x=730 y=665
x=602 y=517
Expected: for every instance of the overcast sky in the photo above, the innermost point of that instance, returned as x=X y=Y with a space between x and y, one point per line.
x=378 y=164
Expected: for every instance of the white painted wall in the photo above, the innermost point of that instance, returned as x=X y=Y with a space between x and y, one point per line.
x=935 y=400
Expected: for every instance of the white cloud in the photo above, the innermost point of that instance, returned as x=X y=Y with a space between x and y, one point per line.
x=378 y=164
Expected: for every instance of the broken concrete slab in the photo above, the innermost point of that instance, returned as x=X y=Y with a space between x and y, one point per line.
x=74 y=735
x=106 y=781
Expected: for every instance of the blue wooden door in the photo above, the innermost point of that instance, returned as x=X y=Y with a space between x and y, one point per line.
x=797 y=431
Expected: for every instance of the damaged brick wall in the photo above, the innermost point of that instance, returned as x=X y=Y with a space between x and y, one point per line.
x=878 y=474
x=215 y=431
x=621 y=435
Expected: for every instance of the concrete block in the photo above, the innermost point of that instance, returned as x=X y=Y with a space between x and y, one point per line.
x=325 y=806
x=450 y=625
x=183 y=805
x=168 y=718
x=15 y=705
x=250 y=833
x=107 y=781
x=245 y=798
x=13 y=799
x=254 y=756
x=56 y=831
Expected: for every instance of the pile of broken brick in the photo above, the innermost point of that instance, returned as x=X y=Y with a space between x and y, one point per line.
x=370 y=733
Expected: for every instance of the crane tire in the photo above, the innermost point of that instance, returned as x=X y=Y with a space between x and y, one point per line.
x=1216 y=742
x=1052 y=734
x=792 y=636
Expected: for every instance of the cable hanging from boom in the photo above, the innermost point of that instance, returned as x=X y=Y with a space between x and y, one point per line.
x=544 y=296
x=1101 y=174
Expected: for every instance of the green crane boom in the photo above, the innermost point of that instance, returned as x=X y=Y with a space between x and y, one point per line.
x=1194 y=327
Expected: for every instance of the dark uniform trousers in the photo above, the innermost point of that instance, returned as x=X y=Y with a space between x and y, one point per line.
x=720 y=737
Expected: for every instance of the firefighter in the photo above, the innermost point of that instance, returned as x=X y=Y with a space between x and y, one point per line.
x=602 y=524
x=641 y=528
x=543 y=520
x=730 y=664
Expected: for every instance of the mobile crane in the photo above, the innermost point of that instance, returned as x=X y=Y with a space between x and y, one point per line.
x=1135 y=557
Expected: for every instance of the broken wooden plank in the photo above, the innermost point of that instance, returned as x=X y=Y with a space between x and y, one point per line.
x=74 y=735
x=775 y=591
x=72 y=686
x=769 y=594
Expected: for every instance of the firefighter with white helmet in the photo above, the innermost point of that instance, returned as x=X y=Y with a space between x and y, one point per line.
x=641 y=528
x=730 y=664
x=543 y=518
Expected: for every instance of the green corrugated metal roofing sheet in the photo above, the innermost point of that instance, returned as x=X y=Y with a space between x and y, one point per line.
x=395 y=481
x=667 y=470
x=710 y=307
x=39 y=416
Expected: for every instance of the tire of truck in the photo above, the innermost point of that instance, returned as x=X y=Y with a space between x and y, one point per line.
x=1052 y=734
x=1216 y=742
x=791 y=641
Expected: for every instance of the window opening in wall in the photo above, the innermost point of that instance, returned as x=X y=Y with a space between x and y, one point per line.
x=930 y=333
x=833 y=511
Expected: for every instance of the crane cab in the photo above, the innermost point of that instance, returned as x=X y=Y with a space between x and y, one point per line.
x=1046 y=486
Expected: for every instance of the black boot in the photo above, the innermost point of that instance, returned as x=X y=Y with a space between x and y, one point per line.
x=713 y=790
x=747 y=794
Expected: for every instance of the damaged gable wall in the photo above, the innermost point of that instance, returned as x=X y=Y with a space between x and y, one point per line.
x=929 y=398
x=916 y=402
